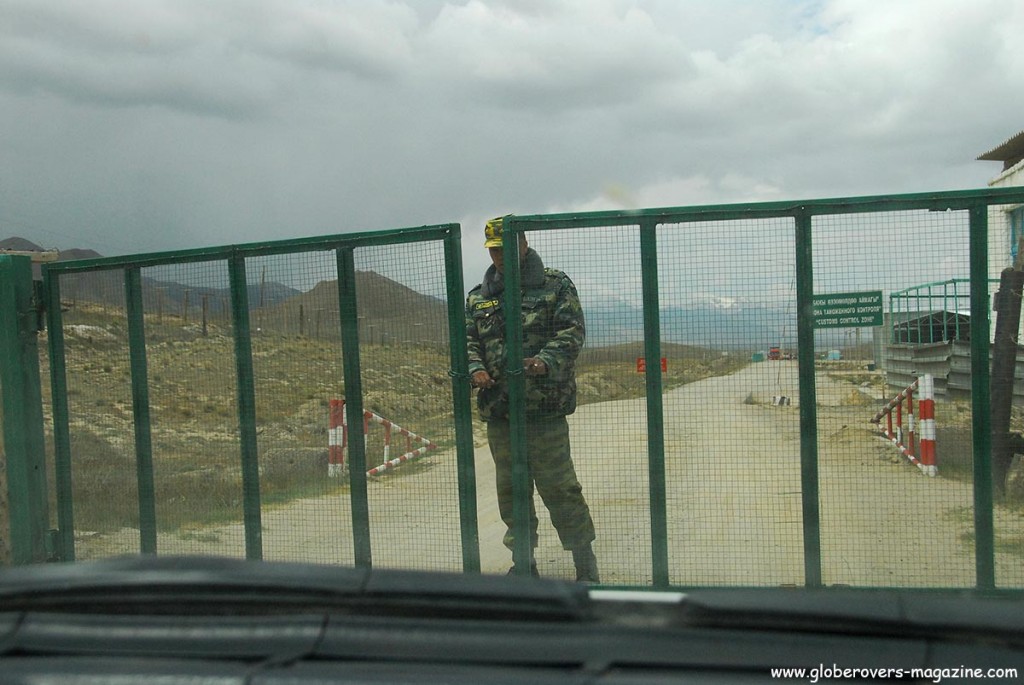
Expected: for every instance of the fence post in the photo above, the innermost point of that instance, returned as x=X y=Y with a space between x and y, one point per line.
x=462 y=409
x=522 y=549
x=655 y=405
x=140 y=409
x=811 y=503
x=348 y=312
x=246 y=393
x=24 y=451
x=63 y=490
x=981 y=404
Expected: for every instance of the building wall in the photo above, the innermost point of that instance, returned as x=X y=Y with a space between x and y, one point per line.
x=1000 y=253
x=999 y=222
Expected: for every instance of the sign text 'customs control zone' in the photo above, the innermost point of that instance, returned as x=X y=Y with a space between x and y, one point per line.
x=848 y=310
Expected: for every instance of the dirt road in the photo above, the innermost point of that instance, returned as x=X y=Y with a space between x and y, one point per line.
x=733 y=500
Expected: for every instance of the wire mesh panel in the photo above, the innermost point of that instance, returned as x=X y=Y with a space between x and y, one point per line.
x=732 y=439
x=5 y=518
x=404 y=355
x=197 y=398
x=890 y=515
x=105 y=485
x=297 y=361
x=201 y=402
x=607 y=431
x=5 y=512
x=192 y=408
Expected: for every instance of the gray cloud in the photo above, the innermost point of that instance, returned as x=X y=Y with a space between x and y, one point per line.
x=132 y=125
x=231 y=59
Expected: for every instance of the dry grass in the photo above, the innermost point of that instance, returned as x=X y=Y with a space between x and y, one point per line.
x=197 y=472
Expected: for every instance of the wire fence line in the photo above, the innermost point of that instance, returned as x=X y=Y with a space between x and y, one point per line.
x=734 y=358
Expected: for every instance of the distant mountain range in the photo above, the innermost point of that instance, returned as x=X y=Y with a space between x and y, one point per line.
x=390 y=312
x=108 y=286
x=746 y=327
x=22 y=245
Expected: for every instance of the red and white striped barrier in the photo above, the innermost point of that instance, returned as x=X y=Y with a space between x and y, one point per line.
x=924 y=456
x=338 y=441
x=927 y=406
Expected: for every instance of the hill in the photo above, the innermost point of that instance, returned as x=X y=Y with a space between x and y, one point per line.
x=19 y=244
x=389 y=312
x=158 y=296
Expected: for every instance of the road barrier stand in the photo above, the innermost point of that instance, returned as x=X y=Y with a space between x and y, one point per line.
x=926 y=405
x=923 y=456
x=338 y=441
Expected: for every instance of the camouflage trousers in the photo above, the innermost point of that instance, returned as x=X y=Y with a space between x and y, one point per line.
x=551 y=472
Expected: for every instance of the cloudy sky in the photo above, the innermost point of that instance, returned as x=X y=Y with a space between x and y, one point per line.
x=140 y=125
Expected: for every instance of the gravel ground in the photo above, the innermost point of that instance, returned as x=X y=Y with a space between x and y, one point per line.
x=733 y=500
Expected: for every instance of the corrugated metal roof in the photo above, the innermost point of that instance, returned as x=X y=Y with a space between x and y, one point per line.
x=1009 y=153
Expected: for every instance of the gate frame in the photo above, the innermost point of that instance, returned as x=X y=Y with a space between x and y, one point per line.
x=31 y=540
x=802 y=212
x=344 y=246
x=22 y=398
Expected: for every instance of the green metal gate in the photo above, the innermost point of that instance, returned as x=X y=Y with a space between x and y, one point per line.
x=190 y=393
x=240 y=351
x=781 y=518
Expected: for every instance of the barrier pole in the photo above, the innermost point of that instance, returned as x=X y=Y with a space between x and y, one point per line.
x=899 y=418
x=916 y=454
x=390 y=426
x=910 y=422
x=927 y=408
x=337 y=438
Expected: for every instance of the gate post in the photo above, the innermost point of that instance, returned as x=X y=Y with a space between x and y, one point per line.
x=21 y=404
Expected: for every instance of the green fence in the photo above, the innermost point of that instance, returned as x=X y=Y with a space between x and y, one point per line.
x=192 y=393
x=773 y=474
x=931 y=312
x=188 y=409
x=25 y=531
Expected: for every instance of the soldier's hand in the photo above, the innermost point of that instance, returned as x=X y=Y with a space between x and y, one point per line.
x=534 y=366
x=481 y=379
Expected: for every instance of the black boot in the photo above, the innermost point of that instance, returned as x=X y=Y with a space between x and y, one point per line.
x=533 y=570
x=586 y=565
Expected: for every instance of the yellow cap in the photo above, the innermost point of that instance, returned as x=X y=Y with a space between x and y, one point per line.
x=492 y=232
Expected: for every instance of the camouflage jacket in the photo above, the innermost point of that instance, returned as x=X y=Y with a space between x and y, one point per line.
x=553 y=331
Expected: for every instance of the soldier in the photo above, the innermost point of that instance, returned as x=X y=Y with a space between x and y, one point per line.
x=553 y=334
